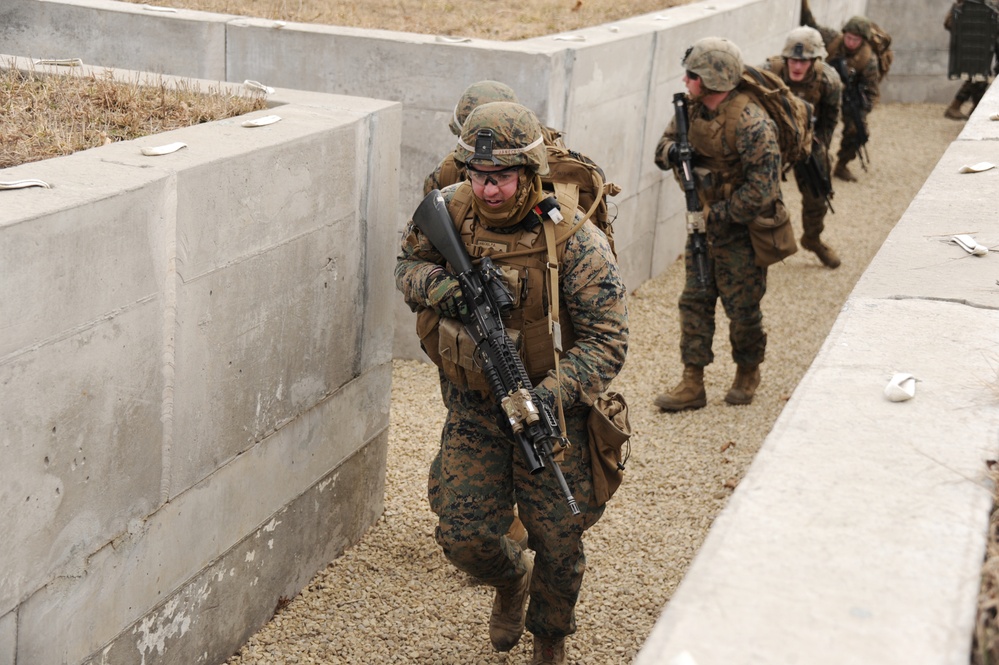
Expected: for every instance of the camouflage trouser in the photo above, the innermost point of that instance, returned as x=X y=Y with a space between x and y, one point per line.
x=741 y=284
x=813 y=208
x=474 y=481
x=849 y=144
x=973 y=90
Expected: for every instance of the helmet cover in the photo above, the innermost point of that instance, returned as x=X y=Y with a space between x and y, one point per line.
x=502 y=134
x=717 y=61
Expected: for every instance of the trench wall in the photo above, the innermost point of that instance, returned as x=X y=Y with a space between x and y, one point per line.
x=195 y=370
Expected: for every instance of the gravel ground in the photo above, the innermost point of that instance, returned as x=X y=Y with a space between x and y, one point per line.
x=393 y=598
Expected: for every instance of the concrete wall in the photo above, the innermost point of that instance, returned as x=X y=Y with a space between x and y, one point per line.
x=195 y=370
x=858 y=533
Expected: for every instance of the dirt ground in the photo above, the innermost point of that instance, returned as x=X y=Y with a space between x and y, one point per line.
x=485 y=19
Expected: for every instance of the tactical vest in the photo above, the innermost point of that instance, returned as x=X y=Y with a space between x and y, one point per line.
x=718 y=169
x=523 y=258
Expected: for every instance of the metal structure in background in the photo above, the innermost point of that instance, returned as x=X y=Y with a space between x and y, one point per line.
x=973 y=40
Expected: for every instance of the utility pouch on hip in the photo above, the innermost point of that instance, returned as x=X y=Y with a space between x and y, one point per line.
x=609 y=429
x=773 y=237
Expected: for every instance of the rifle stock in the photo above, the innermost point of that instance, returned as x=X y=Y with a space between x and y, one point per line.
x=695 y=215
x=532 y=424
x=815 y=176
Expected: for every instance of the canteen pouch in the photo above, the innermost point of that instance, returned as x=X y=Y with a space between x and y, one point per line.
x=609 y=429
x=773 y=237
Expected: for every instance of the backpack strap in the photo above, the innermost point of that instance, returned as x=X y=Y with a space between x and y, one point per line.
x=554 y=327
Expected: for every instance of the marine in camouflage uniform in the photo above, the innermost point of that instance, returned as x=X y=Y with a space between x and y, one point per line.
x=853 y=46
x=737 y=183
x=802 y=67
x=479 y=473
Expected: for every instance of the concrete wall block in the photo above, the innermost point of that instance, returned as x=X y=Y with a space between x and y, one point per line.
x=72 y=249
x=380 y=234
x=83 y=415
x=157 y=557
x=8 y=638
x=79 y=29
x=216 y=611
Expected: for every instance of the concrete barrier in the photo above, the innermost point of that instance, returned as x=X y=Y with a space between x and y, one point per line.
x=195 y=369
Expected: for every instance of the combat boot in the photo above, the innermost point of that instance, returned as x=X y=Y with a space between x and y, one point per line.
x=843 y=173
x=506 y=623
x=688 y=394
x=824 y=252
x=549 y=651
x=747 y=378
x=954 y=111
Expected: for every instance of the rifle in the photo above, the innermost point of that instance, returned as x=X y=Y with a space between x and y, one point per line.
x=486 y=296
x=855 y=105
x=695 y=214
x=814 y=175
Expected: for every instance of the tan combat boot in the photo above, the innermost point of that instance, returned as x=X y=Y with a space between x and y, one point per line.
x=843 y=173
x=954 y=111
x=688 y=394
x=506 y=623
x=549 y=651
x=825 y=253
x=747 y=378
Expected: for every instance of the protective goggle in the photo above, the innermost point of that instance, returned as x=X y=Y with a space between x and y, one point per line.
x=498 y=178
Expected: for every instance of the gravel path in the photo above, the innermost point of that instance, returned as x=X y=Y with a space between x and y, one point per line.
x=393 y=598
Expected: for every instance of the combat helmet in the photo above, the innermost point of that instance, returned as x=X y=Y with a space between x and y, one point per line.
x=717 y=61
x=481 y=92
x=502 y=134
x=804 y=43
x=859 y=25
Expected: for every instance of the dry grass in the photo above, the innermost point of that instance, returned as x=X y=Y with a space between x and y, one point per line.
x=484 y=19
x=50 y=115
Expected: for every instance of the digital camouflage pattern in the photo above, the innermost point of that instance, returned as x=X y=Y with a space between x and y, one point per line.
x=517 y=137
x=717 y=61
x=478 y=473
x=481 y=92
x=738 y=183
x=821 y=88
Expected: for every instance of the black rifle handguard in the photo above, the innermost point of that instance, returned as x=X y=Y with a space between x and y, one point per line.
x=696 y=225
x=532 y=424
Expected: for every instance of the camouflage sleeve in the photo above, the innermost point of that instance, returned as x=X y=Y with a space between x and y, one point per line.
x=594 y=297
x=871 y=78
x=759 y=154
x=432 y=181
x=829 y=104
x=668 y=138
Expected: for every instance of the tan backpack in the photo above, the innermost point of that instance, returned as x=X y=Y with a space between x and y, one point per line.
x=881 y=45
x=791 y=114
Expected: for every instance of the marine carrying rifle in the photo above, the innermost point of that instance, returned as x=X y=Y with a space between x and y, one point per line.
x=855 y=105
x=695 y=213
x=486 y=296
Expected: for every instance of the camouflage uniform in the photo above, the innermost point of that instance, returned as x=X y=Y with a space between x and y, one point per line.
x=478 y=474
x=821 y=87
x=737 y=183
x=862 y=64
